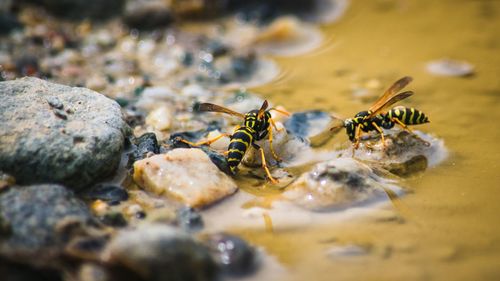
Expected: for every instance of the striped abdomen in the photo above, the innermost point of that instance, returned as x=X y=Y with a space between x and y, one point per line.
x=409 y=116
x=241 y=140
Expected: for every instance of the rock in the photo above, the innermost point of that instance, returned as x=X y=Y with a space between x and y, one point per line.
x=19 y=272
x=448 y=67
x=93 y=272
x=189 y=219
x=147 y=14
x=144 y=146
x=6 y=180
x=39 y=217
x=345 y=251
x=309 y=124
x=80 y=9
x=106 y=192
x=58 y=134
x=8 y=22
x=287 y=36
x=405 y=153
x=185 y=175
x=161 y=118
x=114 y=219
x=337 y=183
x=233 y=255
x=159 y=252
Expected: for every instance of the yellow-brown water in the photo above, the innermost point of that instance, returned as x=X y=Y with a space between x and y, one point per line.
x=450 y=229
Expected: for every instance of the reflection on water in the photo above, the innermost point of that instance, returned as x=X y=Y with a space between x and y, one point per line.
x=446 y=227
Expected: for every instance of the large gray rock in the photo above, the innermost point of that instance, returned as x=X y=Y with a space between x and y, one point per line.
x=50 y=133
x=36 y=220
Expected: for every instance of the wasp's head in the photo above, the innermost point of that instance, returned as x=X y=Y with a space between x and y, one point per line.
x=350 y=129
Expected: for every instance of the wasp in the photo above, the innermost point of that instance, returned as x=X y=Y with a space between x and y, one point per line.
x=257 y=124
x=377 y=117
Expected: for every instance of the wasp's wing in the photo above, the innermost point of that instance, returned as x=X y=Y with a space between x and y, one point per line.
x=391 y=96
x=335 y=125
x=210 y=107
x=262 y=109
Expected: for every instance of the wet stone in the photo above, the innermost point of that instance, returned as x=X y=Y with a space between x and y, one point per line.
x=189 y=219
x=160 y=253
x=106 y=192
x=145 y=145
x=233 y=255
x=10 y=271
x=413 y=165
x=308 y=124
x=6 y=180
x=345 y=251
x=40 y=218
x=8 y=23
x=114 y=219
x=448 y=67
x=184 y=175
x=337 y=183
x=404 y=153
x=79 y=9
x=75 y=145
x=147 y=14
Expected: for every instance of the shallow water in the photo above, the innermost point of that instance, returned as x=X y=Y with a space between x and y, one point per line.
x=449 y=228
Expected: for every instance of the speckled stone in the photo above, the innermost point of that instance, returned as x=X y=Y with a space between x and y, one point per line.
x=52 y=133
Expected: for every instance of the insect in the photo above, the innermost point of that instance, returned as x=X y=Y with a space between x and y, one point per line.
x=256 y=126
x=377 y=117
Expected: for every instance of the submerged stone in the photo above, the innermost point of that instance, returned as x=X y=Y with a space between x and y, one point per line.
x=337 y=183
x=38 y=145
x=189 y=219
x=404 y=153
x=184 y=175
x=448 y=67
x=308 y=124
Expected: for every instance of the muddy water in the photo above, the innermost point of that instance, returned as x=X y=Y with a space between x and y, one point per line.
x=449 y=227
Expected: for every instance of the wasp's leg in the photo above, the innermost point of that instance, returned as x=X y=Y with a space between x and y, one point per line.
x=380 y=132
x=404 y=126
x=282 y=111
x=206 y=142
x=264 y=164
x=268 y=222
x=270 y=136
x=271 y=120
x=357 y=137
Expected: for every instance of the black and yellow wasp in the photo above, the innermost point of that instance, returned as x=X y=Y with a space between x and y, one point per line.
x=256 y=126
x=377 y=117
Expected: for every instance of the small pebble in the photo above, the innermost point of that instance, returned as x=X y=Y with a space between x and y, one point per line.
x=448 y=67
x=346 y=251
x=160 y=118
